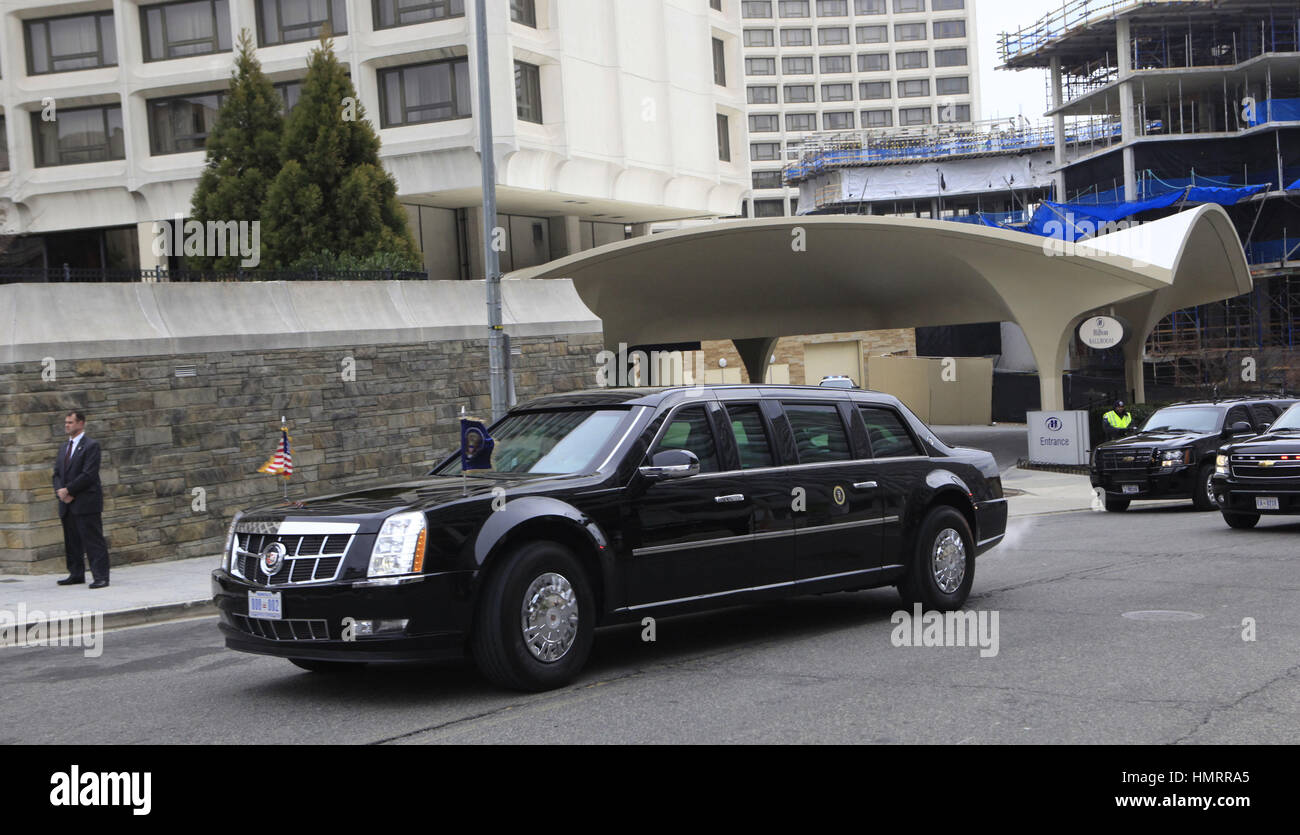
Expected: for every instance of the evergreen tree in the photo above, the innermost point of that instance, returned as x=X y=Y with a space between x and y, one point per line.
x=332 y=198
x=243 y=151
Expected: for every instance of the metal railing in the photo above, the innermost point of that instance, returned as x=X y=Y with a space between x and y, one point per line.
x=91 y=275
x=1056 y=25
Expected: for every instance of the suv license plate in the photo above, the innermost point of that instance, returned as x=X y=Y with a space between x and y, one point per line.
x=1268 y=503
x=1130 y=489
x=265 y=605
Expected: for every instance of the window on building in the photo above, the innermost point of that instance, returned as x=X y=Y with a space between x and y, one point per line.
x=433 y=92
x=912 y=60
x=801 y=121
x=764 y=123
x=909 y=31
x=719 y=63
x=764 y=151
x=760 y=66
x=800 y=93
x=833 y=35
x=913 y=88
x=4 y=146
x=793 y=8
x=290 y=21
x=767 y=179
x=528 y=92
x=761 y=95
x=947 y=5
x=873 y=62
x=769 y=208
x=873 y=34
x=796 y=37
x=760 y=37
x=290 y=91
x=836 y=63
x=952 y=113
x=75 y=42
x=877 y=118
x=716 y=5
x=191 y=27
x=390 y=13
x=756 y=9
x=944 y=29
x=181 y=124
x=872 y=90
x=868 y=7
x=908 y=6
x=839 y=120
x=950 y=58
x=837 y=92
x=801 y=65
x=832 y=8
x=525 y=12
x=84 y=134
x=724 y=138
x=915 y=116
x=956 y=86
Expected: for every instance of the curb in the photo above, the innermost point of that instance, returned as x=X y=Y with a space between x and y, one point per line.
x=158 y=613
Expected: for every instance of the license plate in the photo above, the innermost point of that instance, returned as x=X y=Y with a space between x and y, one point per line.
x=1268 y=503
x=265 y=605
x=1130 y=489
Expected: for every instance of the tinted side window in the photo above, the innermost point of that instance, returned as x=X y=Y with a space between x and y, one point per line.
x=1263 y=413
x=751 y=437
x=689 y=430
x=819 y=433
x=889 y=437
x=1237 y=414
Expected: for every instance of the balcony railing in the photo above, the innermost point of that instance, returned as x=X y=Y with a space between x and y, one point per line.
x=90 y=275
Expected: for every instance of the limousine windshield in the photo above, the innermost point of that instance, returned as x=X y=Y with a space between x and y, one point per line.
x=562 y=442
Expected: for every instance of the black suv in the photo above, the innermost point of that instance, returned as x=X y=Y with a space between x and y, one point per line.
x=1173 y=456
x=1260 y=476
x=605 y=507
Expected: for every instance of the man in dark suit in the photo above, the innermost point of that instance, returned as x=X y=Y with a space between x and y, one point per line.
x=81 y=504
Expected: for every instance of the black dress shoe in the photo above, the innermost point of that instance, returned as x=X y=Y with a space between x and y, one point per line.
x=99 y=584
x=71 y=581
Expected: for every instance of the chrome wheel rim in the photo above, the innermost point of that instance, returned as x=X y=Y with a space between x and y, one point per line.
x=1209 y=488
x=549 y=617
x=948 y=561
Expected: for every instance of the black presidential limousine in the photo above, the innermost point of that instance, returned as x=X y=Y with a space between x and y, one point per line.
x=605 y=507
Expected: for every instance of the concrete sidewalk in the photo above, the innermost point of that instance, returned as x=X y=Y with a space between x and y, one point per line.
x=164 y=591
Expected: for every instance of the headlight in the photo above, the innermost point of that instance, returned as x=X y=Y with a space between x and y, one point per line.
x=228 y=556
x=1174 y=457
x=399 y=548
x=1221 y=465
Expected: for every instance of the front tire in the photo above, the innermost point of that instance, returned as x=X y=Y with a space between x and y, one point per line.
x=1241 y=521
x=536 y=619
x=943 y=562
x=1203 y=491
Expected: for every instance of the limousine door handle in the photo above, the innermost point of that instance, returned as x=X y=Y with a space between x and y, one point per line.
x=732 y=499
x=866 y=485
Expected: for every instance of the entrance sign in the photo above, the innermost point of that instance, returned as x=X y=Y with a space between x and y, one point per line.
x=1059 y=438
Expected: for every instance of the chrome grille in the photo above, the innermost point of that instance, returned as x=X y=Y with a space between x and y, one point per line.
x=1266 y=466
x=309 y=558
x=1137 y=459
x=282 y=630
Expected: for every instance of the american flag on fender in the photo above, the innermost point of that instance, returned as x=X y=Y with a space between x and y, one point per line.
x=282 y=462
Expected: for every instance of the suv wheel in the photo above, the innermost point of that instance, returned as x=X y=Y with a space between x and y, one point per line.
x=1203 y=489
x=536 y=619
x=1241 y=521
x=1117 y=505
x=943 y=563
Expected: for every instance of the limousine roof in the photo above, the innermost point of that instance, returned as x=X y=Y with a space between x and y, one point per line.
x=656 y=396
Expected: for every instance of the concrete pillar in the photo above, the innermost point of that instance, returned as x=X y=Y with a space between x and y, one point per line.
x=1134 y=378
x=1058 y=100
x=474 y=242
x=566 y=236
x=757 y=355
x=145 y=237
x=1127 y=109
x=640 y=230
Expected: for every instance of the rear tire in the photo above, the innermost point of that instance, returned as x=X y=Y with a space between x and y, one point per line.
x=942 y=570
x=1241 y=521
x=1117 y=505
x=535 y=622
x=1203 y=490
x=328 y=667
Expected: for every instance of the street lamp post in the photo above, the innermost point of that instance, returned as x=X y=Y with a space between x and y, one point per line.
x=491 y=257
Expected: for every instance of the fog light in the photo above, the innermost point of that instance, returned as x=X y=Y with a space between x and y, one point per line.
x=370 y=628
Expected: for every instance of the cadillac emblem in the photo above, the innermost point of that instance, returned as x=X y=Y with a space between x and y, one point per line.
x=272 y=559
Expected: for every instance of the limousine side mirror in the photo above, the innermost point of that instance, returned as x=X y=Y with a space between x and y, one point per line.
x=670 y=464
x=1238 y=428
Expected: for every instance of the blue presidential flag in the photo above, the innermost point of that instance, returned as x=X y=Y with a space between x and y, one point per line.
x=475 y=446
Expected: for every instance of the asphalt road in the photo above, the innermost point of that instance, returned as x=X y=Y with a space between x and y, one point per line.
x=1071 y=667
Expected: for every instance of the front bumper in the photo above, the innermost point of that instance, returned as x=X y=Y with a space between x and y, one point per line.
x=439 y=608
x=1155 y=483
x=1240 y=497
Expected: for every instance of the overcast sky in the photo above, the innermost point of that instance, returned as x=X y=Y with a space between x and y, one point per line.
x=1009 y=93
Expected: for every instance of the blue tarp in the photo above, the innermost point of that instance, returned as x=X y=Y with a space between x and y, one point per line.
x=1276 y=110
x=1072 y=221
x=1294 y=186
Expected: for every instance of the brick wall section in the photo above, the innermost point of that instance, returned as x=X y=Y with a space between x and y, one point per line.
x=163 y=436
x=789 y=351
